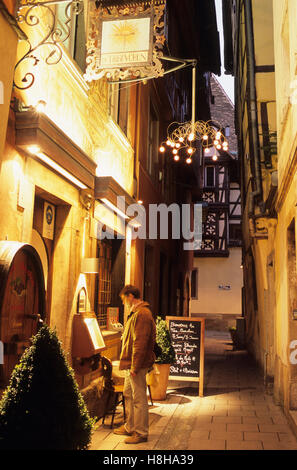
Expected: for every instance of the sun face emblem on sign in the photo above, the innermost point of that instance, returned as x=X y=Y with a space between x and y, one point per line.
x=125 y=41
x=125 y=33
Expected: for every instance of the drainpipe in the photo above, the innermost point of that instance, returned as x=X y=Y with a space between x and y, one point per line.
x=253 y=115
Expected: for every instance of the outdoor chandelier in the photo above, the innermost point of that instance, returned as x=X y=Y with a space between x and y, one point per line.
x=183 y=136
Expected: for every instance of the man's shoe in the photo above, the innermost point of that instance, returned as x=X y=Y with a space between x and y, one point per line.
x=135 y=439
x=122 y=431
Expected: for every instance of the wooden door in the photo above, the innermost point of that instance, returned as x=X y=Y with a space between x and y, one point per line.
x=21 y=303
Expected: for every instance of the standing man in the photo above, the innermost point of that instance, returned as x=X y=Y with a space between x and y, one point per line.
x=136 y=358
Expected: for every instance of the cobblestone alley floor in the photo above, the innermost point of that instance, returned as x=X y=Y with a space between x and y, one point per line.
x=233 y=414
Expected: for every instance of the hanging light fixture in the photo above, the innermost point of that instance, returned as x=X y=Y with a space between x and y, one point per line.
x=184 y=135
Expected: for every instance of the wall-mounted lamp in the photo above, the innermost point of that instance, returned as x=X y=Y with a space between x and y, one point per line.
x=18 y=106
x=89 y=266
x=40 y=106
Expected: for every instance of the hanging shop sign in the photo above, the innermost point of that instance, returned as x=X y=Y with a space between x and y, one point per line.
x=125 y=41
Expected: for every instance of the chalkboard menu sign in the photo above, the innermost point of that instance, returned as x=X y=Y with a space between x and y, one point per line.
x=187 y=336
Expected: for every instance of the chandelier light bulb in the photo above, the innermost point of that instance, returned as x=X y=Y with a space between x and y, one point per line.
x=191 y=137
x=216 y=142
x=218 y=135
x=219 y=147
x=162 y=149
x=177 y=145
x=168 y=143
x=176 y=158
x=190 y=150
x=207 y=150
x=174 y=151
x=215 y=157
x=181 y=139
x=188 y=161
x=205 y=137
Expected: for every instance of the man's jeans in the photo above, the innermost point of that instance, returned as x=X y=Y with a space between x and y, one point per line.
x=136 y=403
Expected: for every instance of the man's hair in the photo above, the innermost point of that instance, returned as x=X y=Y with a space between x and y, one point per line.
x=129 y=289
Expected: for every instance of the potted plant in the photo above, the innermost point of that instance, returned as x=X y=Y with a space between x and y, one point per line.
x=164 y=359
x=42 y=408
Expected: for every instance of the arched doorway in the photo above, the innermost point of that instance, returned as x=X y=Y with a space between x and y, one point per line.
x=22 y=301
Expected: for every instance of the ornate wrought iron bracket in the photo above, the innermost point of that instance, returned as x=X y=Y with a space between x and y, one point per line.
x=34 y=13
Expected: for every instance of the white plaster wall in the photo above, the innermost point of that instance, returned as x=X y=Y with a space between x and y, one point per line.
x=213 y=272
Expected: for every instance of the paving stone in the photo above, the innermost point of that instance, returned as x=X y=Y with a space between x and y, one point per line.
x=211 y=426
x=244 y=445
x=199 y=434
x=231 y=436
x=207 y=445
x=242 y=413
x=287 y=437
x=242 y=427
x=227 y=419
x=268 y=445
x=257 y=420
x=261 y=436
x=273 y=427
x=203 y=419
x=279 y=419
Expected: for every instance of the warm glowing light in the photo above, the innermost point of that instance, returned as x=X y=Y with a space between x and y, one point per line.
x=181 y=139
x=140 y=201
x=33 y=149
x=190 y=150
x=218 y=135
x=168 y=142
x=114 y=208
x=191 y=137
x=57 y=167
x=177 y=145
x=176 y=158
x=205 y=137
x=174 y=151
x=219 y=147
x=162 y=149
x=207 y=150
x=40 y=106
x=188 y=161
x=216 y=142
x=215 y=157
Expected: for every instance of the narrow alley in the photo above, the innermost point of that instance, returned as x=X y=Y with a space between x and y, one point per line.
x=234 y=413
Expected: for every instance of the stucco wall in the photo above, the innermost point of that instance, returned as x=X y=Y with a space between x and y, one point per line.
x=213 y=272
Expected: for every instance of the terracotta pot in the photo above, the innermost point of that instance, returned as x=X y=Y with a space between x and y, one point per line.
x=158 y=391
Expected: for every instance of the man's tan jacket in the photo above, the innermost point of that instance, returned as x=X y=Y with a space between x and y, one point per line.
x=138 y=339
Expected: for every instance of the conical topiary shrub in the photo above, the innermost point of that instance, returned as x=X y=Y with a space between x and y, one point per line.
x=42 y=408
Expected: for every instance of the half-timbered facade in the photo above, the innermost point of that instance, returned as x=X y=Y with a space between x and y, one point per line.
x=217 y=274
